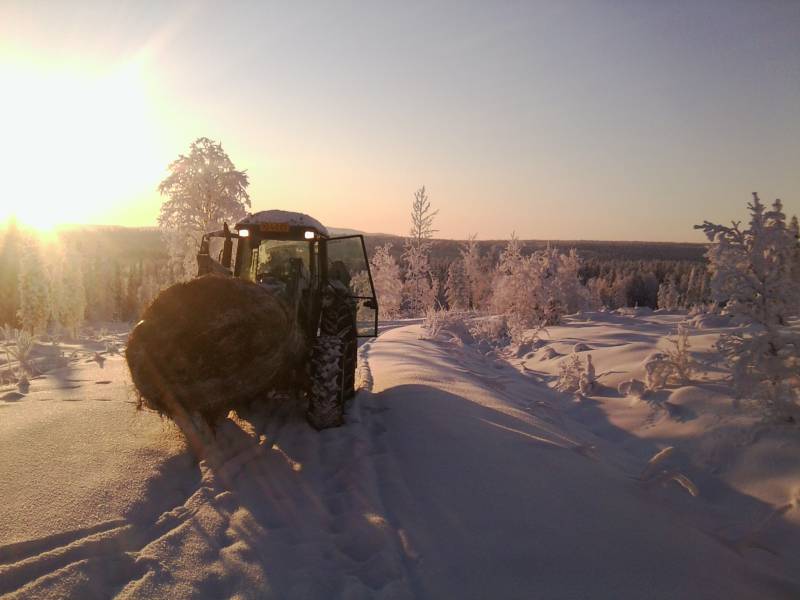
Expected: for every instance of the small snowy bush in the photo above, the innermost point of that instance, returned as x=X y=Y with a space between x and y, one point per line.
x=546 y=353
x=633 y=388
x=673 y=365
x=575 y=376
x=680 y=359
x=492 y=330
x=569 y=374
x=657 y=370
x=22 y=350
x=634 y=311
x=588 y=378
x=433 y=322
x=7 y=335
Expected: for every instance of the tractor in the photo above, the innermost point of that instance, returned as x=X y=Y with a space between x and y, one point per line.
x=326 y=283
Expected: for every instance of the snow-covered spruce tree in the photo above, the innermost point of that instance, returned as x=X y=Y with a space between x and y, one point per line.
x=477 y=273
x=99 y=282
x=153 y=281
x=34 y=293
x=669 y=296
x=54 y=266
x=574 y=296
x=457 y=286
x=794 y=230
x=419 y=289
x=693 y=288
x=753 y=272
x=386 y=278
x=600 y=293
x=548 y=265
x=9 y=273
x=72 y=302
x=205 y=189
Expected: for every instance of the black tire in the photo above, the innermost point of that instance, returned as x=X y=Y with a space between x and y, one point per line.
x=339 y=319
x=325 y=400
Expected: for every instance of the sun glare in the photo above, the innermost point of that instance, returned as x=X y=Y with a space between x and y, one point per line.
x=74 y=143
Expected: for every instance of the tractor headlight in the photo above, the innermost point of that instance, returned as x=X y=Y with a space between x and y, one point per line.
x=244 y=233
x=309 y=235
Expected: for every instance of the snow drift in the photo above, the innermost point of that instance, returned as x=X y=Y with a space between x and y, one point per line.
x=454 y=476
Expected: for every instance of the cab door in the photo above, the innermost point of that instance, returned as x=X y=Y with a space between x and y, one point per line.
x=350 y=252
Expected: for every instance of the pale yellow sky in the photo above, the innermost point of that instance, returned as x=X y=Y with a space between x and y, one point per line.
x=584 y=120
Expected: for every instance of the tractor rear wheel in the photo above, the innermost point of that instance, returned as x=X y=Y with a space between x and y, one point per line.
x=339 y=319
x=325 y=401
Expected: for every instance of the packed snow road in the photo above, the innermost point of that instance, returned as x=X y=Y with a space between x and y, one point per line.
x=454 y=477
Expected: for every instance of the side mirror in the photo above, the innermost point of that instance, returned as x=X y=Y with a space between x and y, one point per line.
x=227 y=248
x=370 y=303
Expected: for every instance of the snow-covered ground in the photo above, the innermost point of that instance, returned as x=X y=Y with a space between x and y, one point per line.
x=457 y=475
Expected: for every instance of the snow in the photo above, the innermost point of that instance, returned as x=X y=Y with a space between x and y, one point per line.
x=294 y=219
x=457 y=475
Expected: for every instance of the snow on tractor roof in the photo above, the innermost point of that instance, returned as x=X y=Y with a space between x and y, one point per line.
x=284 y=216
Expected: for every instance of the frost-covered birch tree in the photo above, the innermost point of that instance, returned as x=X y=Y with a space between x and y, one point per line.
x=419 y=289
x=536 y=290
x=204 y=189
x=518 y=293
x=386 y=278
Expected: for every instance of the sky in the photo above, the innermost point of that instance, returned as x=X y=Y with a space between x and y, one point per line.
x=617 y=120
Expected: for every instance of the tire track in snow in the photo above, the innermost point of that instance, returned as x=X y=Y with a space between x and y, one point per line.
x=287 y=511
x=118 y=538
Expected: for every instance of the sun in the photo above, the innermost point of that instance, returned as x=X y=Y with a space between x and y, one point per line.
x=74 y=143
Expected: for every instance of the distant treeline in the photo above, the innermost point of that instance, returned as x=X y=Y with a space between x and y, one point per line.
x=616 y=273
x=122 y=269
x=446 y=251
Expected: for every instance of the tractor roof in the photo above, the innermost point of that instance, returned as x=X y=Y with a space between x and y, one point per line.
x=293 y=219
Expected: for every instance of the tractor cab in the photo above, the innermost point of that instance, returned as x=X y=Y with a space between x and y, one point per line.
x=293 y=256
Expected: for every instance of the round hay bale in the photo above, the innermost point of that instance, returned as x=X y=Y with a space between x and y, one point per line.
x=210 y=345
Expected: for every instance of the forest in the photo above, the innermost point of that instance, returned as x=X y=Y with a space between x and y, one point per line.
x=94 y=274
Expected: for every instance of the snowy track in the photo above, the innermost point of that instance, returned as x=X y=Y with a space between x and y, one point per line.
x=454 y=477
